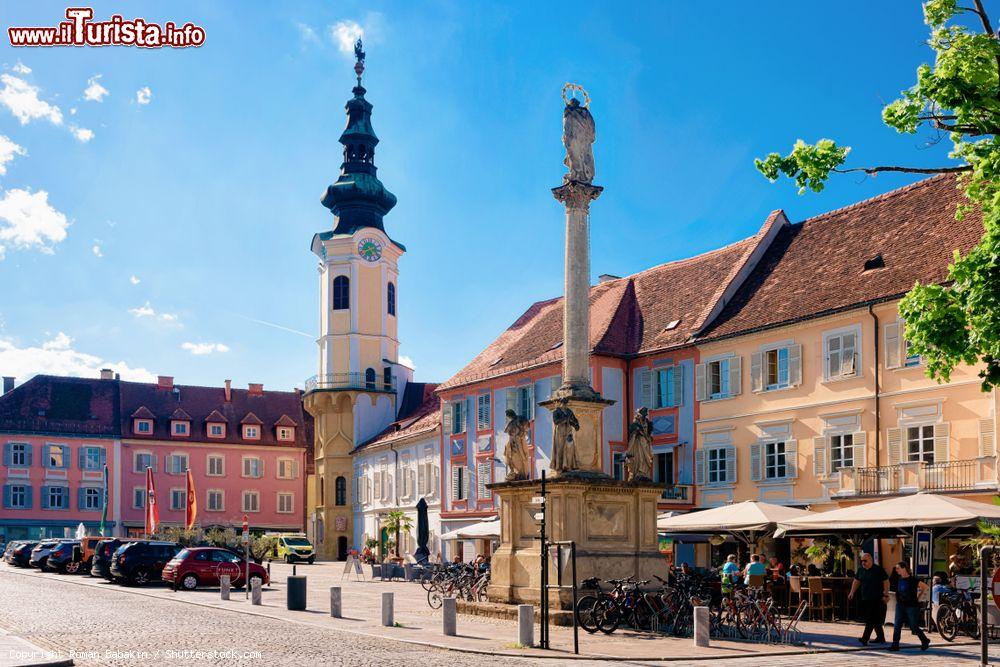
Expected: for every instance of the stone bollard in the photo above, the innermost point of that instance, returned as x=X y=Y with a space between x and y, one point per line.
x=255 y=595
x=387 y=610
x=448 y=619
x=296 y=594
x=269 y=570
x=335 y=604
x=701 y=626
x=526 y=625
x=224 y=586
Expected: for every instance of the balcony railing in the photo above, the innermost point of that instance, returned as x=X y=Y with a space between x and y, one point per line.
x=950 y=475
x=677 y=493
x=876 y=481
x=914 y=476
x=351 y=381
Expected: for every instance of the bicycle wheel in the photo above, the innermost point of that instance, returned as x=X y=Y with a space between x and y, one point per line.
x=642 y=616
x=608 y=615
x=434 y=599
x=947 y=623
x=970 y=623
x=585 y=613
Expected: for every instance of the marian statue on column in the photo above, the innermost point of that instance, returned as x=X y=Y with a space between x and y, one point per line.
x=579 y=135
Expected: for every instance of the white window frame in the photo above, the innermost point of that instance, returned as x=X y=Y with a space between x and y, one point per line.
x=920 y=426
x=251 y=432
x=828 y=336
x=484 y=407
x=252 y=475
x=180 y=428
x=47 y=453
x=766 y=366
x=722 y=366
x=86 y=498
x=87 y=451
x=221 y=493
x=290 y=463
x=139 y=423
x=61 y=492
x=618 y=465
x=25 y=447
x=721 y=456
x=21 y=489
x=247 y=494
x=285 y=496
x=667 y=400
x=767 y=455
x=135 y=460
x=176 y=494
x=846 y=448
x=172 y=469
x=216 y=425
x=209 y=459
x=138 y=491
x=286 y=433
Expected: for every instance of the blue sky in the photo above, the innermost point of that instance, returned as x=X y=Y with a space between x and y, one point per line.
x=187 y=218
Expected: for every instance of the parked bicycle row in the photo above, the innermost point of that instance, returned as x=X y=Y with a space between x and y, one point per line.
x=136 y=562
x=464 y=581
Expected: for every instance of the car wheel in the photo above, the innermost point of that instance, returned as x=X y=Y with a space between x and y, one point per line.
x=189 y=582
x=311 y=560
x=140 y=578
x=72 y=567
x=288 y=559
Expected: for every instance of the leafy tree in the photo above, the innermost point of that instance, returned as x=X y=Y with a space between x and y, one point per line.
x=397 y=522
x=959 y=95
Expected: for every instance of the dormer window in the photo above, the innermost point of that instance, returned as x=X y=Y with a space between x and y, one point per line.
x=217 y=430
x=251 y=432
x=286 y=433
x=180 y=429
x=143 y=426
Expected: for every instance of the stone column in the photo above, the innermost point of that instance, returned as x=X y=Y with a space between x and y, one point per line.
x=576 y=305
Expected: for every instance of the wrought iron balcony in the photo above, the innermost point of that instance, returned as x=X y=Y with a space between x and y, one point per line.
x=676 y=493
x=876 y=481
x=355 y=381
x=914 y=476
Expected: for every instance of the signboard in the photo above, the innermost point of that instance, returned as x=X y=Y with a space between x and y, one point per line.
x=340 y=524
x=229 y=568
x=922 y=553
x=246 y=531
x=353 y=563
x=538 y=500
x=995 y=586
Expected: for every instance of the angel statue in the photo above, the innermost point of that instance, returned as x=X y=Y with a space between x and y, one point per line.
x=516 y=453
x=639 y=456
x=579 y=135
x=563 y=445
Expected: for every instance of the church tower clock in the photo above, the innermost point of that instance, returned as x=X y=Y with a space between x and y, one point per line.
x=356 y=392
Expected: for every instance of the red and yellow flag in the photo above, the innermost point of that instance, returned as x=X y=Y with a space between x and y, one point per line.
x=152 y=511
x=191 y=512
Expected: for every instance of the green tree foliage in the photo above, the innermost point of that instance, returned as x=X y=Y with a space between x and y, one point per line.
x=959 y=95
x=397 y=522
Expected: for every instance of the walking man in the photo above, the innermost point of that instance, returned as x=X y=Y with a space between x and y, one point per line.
x=908 y=591
x=874 y=585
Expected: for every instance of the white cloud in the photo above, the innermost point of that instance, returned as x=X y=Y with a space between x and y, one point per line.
x=94 y=92
x=143 y=95
x=134 y=280
x=307 y=34
x=21 y=98
x=406 y=361
x=344 y=34
x=200 y=349
x=82 y=134
x=27 y=220
x=21 y=68
x=148 y=311
x=96 y=248
x=8 y=151
x=56 y=356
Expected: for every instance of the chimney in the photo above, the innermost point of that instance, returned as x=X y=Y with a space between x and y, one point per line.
x=165 y=382
x=229 y=391
x=107 y=374
x=255 y=389
x=8 y=383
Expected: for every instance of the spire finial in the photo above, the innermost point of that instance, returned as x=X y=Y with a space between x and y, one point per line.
x=359 y=54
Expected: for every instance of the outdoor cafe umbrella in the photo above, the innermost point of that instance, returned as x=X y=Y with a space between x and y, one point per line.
x=484 y=530
x=894 y=515
x=745 y=520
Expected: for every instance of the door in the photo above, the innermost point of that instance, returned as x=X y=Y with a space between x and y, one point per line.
x=342 y=547
x=382 y=544
x=203 y=568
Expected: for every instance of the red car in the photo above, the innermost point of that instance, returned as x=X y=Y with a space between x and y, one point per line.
x=202 y=566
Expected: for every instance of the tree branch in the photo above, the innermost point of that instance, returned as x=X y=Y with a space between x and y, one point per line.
x=988 y=28
x=908 y=170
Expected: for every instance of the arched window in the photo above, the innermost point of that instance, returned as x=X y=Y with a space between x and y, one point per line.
x=322 y=491
x=341 y=293
x=340 y=488
x=392 y=299
x=370 y=379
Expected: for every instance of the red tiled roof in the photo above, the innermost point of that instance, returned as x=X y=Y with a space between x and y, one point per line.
x=285 y=420
x=67 y=405
x=251 y=418
x=628 y=316
x=424 y=416
x=143 y=413
x=816 y=267
x=180 y=415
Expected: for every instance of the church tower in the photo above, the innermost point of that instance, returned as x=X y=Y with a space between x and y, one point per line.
x=356 y=392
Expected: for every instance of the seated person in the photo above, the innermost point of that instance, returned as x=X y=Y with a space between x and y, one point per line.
x=730 y=573
x=776 y=570
x=754 y=567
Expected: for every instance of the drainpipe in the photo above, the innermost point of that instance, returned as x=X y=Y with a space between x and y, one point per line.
x=395 y=492
x=878 y=419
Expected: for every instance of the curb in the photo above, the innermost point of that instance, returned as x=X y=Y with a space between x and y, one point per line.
x=556 y=654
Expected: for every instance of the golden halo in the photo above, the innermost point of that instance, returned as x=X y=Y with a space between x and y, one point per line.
x=569 y=92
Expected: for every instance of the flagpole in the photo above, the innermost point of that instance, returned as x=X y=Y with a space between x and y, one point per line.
x=104 y=511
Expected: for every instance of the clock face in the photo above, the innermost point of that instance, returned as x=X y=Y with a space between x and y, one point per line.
x=370 y=249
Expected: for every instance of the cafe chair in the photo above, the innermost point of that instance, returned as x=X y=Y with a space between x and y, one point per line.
x=794 y=588
x=756 y=581
x=820 y=599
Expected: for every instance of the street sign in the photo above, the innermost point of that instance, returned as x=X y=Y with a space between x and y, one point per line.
x=995 y=586
x=538 y=500
x=246 y=531
x=539 y=516
x=246 y=555
x=922 y=553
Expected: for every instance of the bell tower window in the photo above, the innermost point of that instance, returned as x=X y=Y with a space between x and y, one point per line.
x=341 y=293
x=392 y=299
x=370 y=379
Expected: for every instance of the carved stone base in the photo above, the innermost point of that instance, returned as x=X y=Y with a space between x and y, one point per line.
x=588 y=411
x=613 y=524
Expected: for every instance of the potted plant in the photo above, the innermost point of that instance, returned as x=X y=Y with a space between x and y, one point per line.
x=396 y=522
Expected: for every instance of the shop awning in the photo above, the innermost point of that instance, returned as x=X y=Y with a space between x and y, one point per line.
x=484 y=530
x=748 y=516
x=920 y=510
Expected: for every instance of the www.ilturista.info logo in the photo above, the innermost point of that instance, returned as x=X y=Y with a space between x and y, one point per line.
x=79 y=30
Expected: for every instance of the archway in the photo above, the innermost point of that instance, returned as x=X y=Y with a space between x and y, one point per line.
x=342 y=547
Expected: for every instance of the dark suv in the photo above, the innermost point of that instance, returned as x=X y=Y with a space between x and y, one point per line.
x=139 y=563
x=100 y=565
x=65 y=558
x=19 y=553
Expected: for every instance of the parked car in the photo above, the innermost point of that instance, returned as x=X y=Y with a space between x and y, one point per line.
x=292 y=547
x=65 y=558
x=100 y=564
x=40 y=554
x=203 y=566
x=19 y=553
x=88 y=546
x=138 y=563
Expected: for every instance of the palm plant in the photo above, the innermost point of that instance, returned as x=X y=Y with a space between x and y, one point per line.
x=397 y=522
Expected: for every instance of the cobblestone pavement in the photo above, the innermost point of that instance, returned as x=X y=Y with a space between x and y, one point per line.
x=59 y=615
